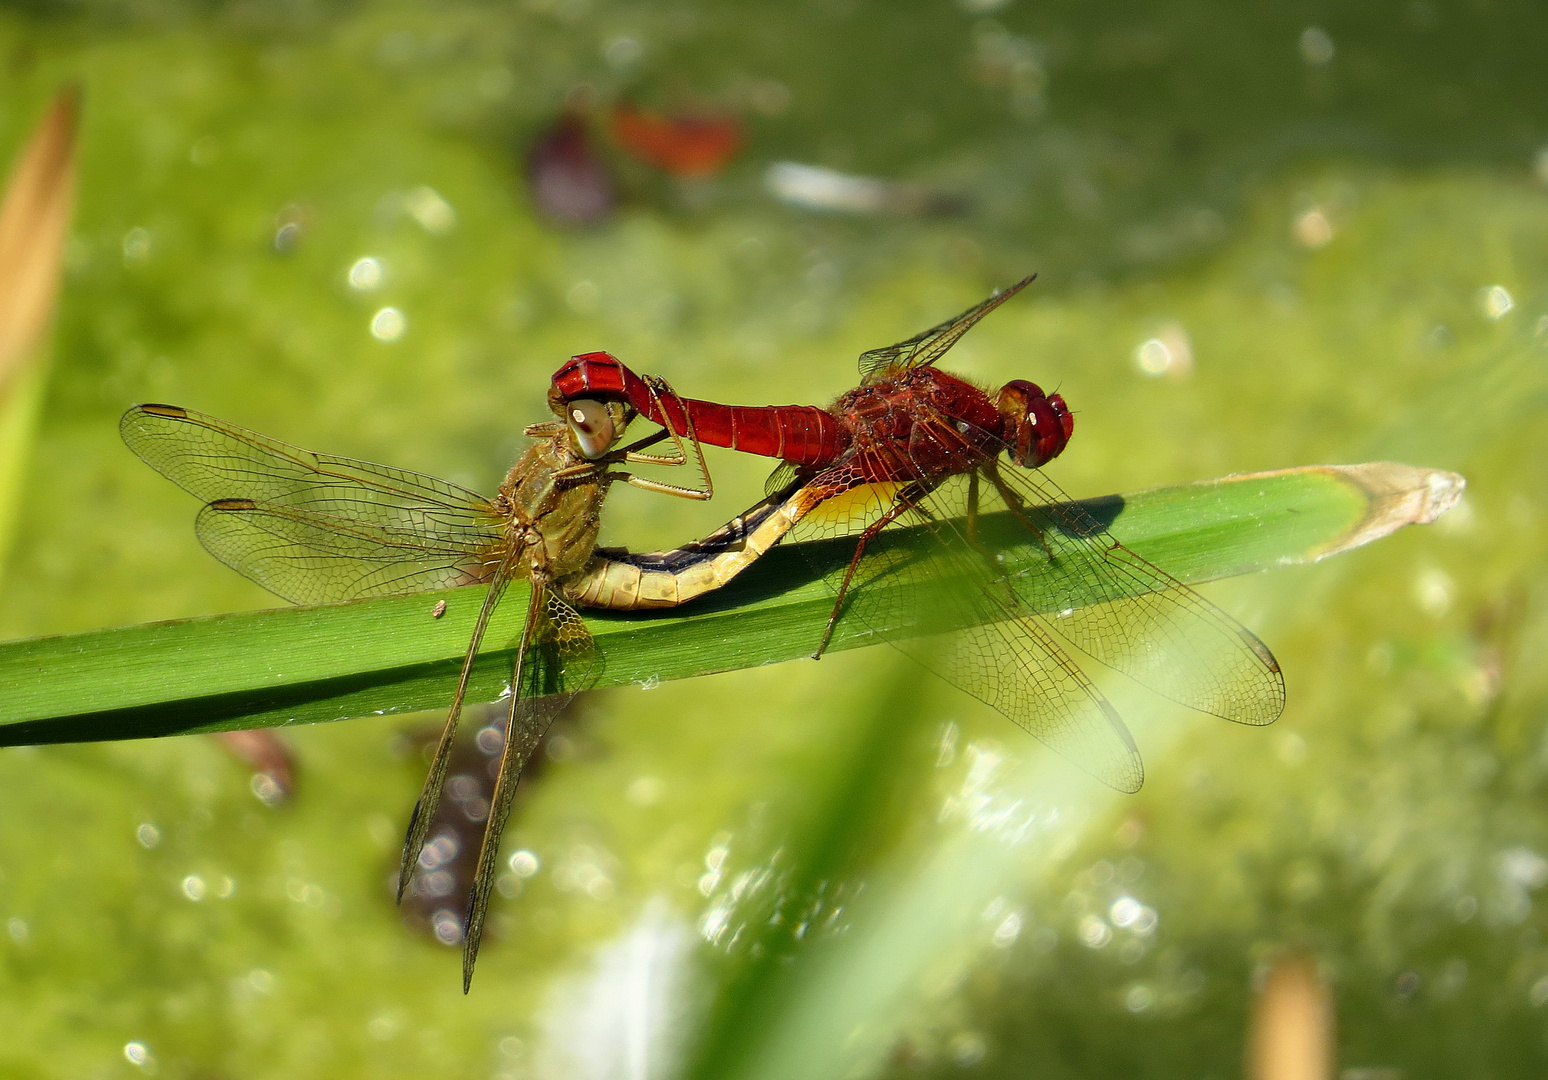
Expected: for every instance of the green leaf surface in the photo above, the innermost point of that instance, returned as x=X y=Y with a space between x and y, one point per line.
x=333 y=662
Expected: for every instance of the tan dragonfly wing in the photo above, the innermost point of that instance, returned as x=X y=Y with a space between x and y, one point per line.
x=314 y=527
x=556 y=659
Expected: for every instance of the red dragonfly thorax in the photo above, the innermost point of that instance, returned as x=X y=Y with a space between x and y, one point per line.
x=922 y=424
x=943 y=423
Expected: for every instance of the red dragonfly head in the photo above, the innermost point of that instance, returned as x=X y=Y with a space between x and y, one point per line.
x=1035 y=426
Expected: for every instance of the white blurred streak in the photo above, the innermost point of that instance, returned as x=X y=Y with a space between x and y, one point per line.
x=626 y=1018
x=816 y=188
x=812 y=187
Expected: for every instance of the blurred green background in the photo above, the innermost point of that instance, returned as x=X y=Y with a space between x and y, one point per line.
x=1267 y=234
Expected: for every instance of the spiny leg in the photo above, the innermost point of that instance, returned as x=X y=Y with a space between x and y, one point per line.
x=660 y=390
x=1014 y=503
x=660 y=486
x=903 y=502
x=991 y=561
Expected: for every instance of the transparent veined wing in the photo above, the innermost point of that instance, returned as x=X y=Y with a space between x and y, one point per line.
x=1121 y=609
x=557 y=659
x=980 y=575
x=929 y=346
x=922 y=587
x=314 y=527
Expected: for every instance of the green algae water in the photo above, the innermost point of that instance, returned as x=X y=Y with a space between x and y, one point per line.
x=1266 y=236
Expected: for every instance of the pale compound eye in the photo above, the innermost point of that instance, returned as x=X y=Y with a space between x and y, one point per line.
x=592 y=425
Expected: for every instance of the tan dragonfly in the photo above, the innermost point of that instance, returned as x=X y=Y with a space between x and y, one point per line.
x=315 y=528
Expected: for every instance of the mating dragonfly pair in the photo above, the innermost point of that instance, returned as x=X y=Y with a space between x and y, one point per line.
x=963 y=553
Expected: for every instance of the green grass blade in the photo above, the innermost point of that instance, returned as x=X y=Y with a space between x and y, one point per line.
x=306 y=665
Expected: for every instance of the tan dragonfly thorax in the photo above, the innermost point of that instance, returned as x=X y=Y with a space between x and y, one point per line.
x=554 y=499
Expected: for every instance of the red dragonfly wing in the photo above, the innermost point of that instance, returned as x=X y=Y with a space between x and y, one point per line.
x=1121 y=609
x=926 y=348
x=923 y=589
x=994 y=597
x=312 y=527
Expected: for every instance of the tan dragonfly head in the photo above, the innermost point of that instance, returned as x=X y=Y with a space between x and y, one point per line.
x=594 y=427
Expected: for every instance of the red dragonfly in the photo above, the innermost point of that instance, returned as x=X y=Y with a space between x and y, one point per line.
x=1012 y=566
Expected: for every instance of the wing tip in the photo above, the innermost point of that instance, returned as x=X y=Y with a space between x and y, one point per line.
x=129 y=423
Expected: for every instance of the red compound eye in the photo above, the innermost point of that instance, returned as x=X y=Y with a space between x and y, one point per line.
x=1035 y=427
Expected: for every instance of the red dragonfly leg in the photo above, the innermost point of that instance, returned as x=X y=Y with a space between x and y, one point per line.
x=972 y=509
x=1016 y=506
x=904 y=502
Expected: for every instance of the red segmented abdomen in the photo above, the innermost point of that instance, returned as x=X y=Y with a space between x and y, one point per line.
x=803 y=434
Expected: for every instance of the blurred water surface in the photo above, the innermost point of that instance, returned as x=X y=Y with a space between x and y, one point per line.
x=1267 y=235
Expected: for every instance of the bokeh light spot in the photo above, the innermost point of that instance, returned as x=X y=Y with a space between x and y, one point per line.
x=265 y=789
x=644 y=791
x=1316 y=46
x=136 y=246
x=434 y=214
x=968 y=1048
x=1094 y=932
x=388 y=324
x=365 y=274
x=1433 y=591
x=1312 y=229
x=447 y=927
x=1496 y=301
x=1169 y=353
x=584 y=297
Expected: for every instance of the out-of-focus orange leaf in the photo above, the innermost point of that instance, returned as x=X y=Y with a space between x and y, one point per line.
x=34 y=219
x=689 y=144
